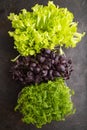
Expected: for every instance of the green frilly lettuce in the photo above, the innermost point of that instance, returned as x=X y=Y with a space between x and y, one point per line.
x=40 y=104
x=44 y=27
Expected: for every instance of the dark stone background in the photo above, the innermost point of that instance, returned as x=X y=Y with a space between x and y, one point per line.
x=10 y=120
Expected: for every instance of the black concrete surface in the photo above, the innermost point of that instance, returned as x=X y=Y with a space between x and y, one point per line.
x=10 y=120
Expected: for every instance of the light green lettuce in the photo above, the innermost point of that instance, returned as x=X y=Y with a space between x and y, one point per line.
x=44 y=27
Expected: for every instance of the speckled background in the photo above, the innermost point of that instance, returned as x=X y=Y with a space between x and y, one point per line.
x=9 y=120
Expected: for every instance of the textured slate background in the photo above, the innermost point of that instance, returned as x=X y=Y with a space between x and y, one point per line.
x=9 y=120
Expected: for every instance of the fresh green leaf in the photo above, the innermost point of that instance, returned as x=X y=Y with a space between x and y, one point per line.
x=44 y=27
x=40 y=104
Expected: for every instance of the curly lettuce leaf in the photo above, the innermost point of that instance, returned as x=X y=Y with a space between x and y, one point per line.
x=40 y=104
x=44 y=27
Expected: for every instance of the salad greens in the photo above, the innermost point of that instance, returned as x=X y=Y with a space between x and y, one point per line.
x=38 y=36
x=44 y=27
x=40 y=104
